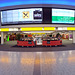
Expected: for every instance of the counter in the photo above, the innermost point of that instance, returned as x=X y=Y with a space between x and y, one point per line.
x=51 y=42
x=25 y=43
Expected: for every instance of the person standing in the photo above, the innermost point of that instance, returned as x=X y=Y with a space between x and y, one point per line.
x=34 y=40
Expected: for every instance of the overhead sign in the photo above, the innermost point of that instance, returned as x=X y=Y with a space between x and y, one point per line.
x=33 y=15
x=62 y=16
x=37 y=14
x=26 y=14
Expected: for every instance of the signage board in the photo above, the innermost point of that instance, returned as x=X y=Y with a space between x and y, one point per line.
x=33 y=15
x=62 y=16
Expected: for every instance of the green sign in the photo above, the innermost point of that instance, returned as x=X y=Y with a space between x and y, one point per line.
x=8 y=38
x=62 y=16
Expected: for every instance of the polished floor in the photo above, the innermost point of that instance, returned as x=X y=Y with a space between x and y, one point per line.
x=37 y=63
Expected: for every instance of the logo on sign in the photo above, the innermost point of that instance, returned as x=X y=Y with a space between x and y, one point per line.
x=26 y=14
x=37 y=14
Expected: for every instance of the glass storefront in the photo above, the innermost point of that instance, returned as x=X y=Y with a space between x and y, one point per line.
x=39 y=36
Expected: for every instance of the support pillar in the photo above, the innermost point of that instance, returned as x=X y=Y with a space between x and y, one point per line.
x=2 y=38
x=73 y=36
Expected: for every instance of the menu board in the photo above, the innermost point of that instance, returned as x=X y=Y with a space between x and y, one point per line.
x=62 y=16
x=33 y=15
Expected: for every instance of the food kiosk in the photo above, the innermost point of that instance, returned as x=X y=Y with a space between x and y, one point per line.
x=46 y=41
x=26 y=42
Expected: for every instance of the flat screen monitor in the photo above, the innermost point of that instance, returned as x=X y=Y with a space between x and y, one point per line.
x=33 y=15
x=62 y=16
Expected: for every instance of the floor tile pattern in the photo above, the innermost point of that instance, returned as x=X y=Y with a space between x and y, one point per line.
x=37 y=63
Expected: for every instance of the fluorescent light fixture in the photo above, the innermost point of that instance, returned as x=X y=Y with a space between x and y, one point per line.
x=62 y=28
x=13 y=29
x=38 y=32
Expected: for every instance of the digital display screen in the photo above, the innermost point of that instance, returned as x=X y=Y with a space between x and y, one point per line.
x=62 y=16
x=33 y=15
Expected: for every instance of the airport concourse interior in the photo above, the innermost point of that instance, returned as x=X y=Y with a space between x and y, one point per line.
x=37 y=37
x=33 y=26
x=10 y=38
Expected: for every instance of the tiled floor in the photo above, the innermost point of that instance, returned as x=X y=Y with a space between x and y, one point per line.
x=37 y=63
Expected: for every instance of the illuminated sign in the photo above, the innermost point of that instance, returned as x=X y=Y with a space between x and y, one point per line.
x=62 y=16
x=26 y=14
x=37 y=14
x=33 y=15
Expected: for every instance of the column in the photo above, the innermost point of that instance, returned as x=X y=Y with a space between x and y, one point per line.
x=73 y=36
x=2 y=38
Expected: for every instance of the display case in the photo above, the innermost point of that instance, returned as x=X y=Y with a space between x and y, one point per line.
x=48 y=41
x=26 y=42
